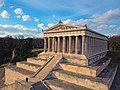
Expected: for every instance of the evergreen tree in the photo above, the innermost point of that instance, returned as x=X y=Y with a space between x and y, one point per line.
x=23 y=50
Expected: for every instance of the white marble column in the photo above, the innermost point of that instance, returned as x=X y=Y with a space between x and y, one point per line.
x=67 y=44
x=96 y=45
x=45 y=43
x=64 y=44
x=79 y=45
x=76 y=45
x=48 y=44
x=83 y=44
x=88 y=43
x=70 y=44
x=58 y=50
x=106 y=45
x=53 y=44
x=99 y=45
x=93 y=45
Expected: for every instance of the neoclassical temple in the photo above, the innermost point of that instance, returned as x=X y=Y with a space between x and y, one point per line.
x=71 y=53
x=79 y=40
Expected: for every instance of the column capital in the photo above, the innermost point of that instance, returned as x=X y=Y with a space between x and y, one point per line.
x=83 y=35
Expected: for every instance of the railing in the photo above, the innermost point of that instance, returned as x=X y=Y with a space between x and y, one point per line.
x=40 y=75
x=43 y=66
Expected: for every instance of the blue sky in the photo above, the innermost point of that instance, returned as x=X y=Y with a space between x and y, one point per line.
x=29 y=17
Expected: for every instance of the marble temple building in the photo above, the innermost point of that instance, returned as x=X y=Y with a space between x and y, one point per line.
x=79 y=40
x=74 y=58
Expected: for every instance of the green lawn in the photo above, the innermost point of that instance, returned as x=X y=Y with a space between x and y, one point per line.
x=115 y=56
x=37 y=50
x=2 y=72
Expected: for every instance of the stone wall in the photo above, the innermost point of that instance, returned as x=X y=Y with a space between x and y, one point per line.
x=11 y=76
x=96 y=57
x=8 y=87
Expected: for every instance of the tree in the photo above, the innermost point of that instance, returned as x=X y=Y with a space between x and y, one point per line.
x=23 y=50
x=114 y=42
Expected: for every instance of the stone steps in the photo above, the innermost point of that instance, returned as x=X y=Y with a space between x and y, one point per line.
x=78 y=62
x=56 y=84
x=48 y=67
x=75 y=60
x=36 y=61
x=28 y=66
x=46 y=55
x=13 y=73
x=93 y=70
x=102 y=82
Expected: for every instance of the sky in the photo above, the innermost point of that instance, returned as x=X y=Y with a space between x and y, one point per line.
x=30 y=17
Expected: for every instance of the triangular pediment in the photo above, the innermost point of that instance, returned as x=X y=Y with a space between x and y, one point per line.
x=59 y=27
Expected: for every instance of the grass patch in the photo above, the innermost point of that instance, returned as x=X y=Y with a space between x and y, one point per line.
x=2 y=72
x=115 y=56
x=37 y=50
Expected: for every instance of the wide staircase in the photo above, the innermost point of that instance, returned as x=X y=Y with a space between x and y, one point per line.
x=25 y=69
x=62 y=72
x=70 y=74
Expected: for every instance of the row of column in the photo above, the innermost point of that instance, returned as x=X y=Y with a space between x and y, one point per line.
x=71 y=44
x=94 y=45
x=75 y=44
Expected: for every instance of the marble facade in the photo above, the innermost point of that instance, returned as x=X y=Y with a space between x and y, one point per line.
x=78 y=40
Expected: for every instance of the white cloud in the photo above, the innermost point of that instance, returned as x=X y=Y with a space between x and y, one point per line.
x=108 y=27
x=79 y=22
x=36 y=19
x=18 y=16
x=113 y=14
x=112 y=34
x=4 y=14
x=17 y=26
x=26 y=18
x=107 y=17
x=18 y=29
x=18 y=11
x=99 y=21
x=41 y=26
x=2 y=2
x=68 y=21
x=92 y=24
x=50 y=24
